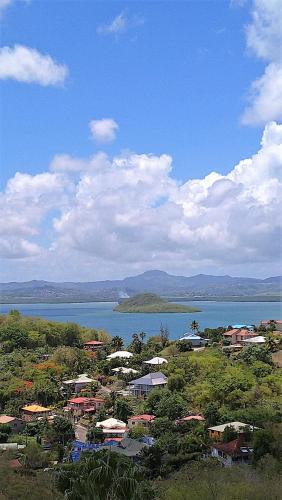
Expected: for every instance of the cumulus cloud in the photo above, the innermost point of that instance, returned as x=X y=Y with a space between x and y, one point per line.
x=27 y=65
x=129 y=213
x=264 y=39
x=121 y=23
x=103 y=130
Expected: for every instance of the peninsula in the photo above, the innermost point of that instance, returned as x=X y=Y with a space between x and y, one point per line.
x=152 y=303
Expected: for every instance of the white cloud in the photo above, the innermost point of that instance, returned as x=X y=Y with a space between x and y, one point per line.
x=120 y=24
x=129 y=214
x=264 y=39
x=104 y=130
x=4 y=4
x=27 y=65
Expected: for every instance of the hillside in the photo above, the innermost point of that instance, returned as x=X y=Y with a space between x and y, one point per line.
x=199 y=287
x=151 y=303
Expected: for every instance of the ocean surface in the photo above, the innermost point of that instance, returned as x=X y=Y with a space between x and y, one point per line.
x=101 y=315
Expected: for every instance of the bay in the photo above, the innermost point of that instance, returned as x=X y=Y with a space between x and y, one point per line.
x=101 y=315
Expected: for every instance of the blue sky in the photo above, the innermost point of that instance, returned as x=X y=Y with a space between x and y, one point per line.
x=176 y=83
x=175 y=78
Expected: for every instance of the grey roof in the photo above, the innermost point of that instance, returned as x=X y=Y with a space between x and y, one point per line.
x=129 y=447
x=157 y=378
x=189 y=335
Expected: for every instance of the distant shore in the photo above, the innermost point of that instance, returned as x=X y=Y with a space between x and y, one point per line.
x=77 y=300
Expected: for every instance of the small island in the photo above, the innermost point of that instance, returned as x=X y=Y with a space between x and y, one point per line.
x=152 y=303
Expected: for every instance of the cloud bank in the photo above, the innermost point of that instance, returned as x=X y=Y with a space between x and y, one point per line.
x=129 y=213
x=27 y=65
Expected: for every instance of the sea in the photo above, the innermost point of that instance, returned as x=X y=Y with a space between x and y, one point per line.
x=100 y=315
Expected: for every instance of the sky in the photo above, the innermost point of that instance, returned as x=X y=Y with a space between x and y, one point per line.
x=140 y=135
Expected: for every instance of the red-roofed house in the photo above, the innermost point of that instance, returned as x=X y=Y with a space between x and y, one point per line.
x=144 y=419
x=81 y=406
x=233 y=453
x=237 y=335
x=93 y=345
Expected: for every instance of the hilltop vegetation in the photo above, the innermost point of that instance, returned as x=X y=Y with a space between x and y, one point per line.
x=151 y=303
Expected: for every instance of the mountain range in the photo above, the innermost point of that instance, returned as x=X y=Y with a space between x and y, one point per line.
x=198 y=287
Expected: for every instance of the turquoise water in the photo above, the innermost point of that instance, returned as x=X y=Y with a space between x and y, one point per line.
x=101 y=315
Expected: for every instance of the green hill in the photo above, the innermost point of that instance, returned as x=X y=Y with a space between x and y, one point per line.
x=151 y=303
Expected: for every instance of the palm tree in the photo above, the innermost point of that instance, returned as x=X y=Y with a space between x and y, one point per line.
x=195 y=326
x=104 y=476
x=117 y=342
x=142 y=336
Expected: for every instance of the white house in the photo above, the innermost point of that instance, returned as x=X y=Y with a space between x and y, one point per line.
x=143 y=385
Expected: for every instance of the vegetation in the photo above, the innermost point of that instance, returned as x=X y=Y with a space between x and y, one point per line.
x=152 y=303
x=37 y=355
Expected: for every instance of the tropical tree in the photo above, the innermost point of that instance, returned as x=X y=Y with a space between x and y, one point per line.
x=103 y=476
x=194 y=326
x=117 y=342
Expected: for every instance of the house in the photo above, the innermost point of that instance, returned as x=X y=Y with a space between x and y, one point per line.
x=77 y=407
x=35 y=412
x=112 y=427
x=120 y=354
x=143 y=385
x=237 y=335
x=235 y=452
x=76 y=385
x=156 y=361
x=255 y=340
x=277 y=323
x=144 y=420
x=93 y=345
x=216 y=432
x=195 y=340
x=15 y=423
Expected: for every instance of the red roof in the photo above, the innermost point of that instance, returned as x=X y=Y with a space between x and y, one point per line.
x=78 y=400
x=93 y=342
x=239 y=331
x=147 y=418
x=233 y=447
x=82 y=400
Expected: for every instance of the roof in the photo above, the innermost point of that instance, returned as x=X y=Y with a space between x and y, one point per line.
x=255 y=340
x=191 y=417
x=81 y=400
x=78 y=400
x=236 y=425
x=120 y=354
x=154 y=379
x=145 y=417
x=35 y=408
x=93 y=342
x=130 y=447
x=111 y=423
x=238 y=331
x=156 y=361
x=124 y=370
x=235 y=447
x=190 y=336
x=6 y=419
x=81 y=379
